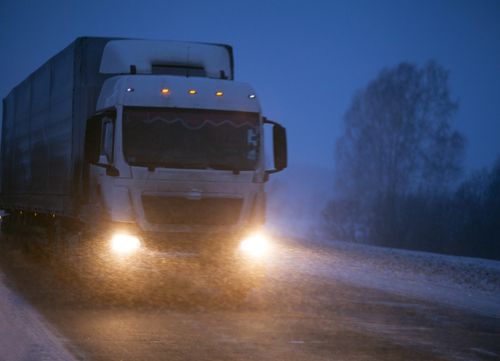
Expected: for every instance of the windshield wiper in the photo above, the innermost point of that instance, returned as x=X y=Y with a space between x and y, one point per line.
x=153 y=165
x=179 y=165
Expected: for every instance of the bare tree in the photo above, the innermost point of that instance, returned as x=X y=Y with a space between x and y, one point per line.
x=398 y=141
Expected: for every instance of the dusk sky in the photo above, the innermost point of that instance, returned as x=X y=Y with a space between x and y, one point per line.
x=304 y=58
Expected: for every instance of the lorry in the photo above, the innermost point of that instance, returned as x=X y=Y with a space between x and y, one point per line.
x=143 y=146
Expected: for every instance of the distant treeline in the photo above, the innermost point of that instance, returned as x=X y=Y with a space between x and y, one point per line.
x=464 y=222
x=398 y=166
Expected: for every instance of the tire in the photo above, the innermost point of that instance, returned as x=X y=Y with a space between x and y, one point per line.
x=6 y=225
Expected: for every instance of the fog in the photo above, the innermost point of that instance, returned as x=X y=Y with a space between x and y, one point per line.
x=296 y=200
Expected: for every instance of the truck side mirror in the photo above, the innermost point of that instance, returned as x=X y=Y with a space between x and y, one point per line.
x=280 y=147
x=280 y=152
x=93 y=140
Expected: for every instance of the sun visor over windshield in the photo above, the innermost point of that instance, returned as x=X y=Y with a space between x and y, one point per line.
x=183 y=58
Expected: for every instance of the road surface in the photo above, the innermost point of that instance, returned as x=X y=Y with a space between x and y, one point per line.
x=294 y=316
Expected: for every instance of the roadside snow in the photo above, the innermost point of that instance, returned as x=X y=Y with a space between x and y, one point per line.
x=23 y=333
x=467 y=283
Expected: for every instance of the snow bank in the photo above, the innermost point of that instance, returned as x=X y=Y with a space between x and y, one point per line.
x=23 y=333
x=468 y=283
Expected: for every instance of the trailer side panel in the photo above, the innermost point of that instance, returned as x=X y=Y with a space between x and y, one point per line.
x=43 y=130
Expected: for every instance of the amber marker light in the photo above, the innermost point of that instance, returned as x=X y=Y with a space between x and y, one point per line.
x=165 y=91
x=192 y=91
x=219 y=93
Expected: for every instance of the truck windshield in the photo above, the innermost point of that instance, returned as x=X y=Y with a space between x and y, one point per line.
x=190 y=138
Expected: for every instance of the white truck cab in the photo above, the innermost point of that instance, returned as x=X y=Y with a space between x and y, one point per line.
x=179 y=152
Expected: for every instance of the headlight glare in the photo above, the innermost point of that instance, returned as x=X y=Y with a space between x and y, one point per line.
x=124 y=244
x=255 y=245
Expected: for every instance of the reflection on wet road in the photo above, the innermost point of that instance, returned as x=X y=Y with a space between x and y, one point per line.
x=293 y=316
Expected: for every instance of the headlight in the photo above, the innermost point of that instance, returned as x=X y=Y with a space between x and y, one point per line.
x=125 y=244
x=256 y=245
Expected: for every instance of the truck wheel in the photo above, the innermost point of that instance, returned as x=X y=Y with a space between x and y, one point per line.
x=6 y=225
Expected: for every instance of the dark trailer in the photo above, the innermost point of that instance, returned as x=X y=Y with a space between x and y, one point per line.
x=43 y=130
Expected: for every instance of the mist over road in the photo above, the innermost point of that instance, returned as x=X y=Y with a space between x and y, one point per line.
x=297 y=314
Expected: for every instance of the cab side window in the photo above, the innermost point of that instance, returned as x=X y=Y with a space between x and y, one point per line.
x=107 y=140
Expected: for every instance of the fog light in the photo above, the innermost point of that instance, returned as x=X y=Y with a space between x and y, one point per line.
x=125 y=243
x=255 y=245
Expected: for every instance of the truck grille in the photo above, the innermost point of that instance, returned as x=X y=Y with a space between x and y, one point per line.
x=182 y=211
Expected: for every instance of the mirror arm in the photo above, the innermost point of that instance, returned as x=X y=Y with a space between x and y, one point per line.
x=111 y=170
x=272 y=171
x=111 y=112
x=267 y=121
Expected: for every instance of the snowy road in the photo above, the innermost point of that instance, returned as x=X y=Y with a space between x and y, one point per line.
x=24 y=335
x=468 y=283
x=337 y=302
